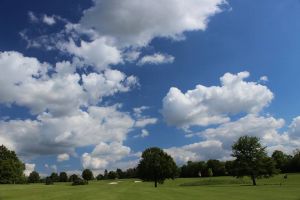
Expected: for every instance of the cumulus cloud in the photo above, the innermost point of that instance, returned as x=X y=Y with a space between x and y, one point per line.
x=99 y=53
x=216 y=142
x=204 y=106
x=204 y=150
x=136 y=22
x=156 y=59
x=63 y=157
x=143 y=134
x=107 y=84
x=29 y=168
x=104 y=154
x=49 y=20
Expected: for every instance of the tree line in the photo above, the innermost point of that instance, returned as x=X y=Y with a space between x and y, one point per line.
x=251 y=160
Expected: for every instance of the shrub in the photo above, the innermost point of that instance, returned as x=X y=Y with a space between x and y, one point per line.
x=48 y=181
x=79 y=181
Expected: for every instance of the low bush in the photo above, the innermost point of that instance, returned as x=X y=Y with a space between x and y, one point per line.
x=79 y=181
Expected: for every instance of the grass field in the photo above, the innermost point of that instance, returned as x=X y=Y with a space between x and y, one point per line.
x=219 y=188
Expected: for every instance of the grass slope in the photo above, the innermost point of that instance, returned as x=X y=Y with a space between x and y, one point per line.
x=219 y=188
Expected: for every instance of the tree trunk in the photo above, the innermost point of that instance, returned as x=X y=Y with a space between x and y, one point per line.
x=155 y=183
x=253 y=180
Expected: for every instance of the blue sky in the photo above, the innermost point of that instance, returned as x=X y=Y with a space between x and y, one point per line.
x=91 y=84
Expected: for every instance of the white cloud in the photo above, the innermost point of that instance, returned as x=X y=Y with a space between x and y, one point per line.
x=29 y=168
x=144 y=20
x=264 y=79
x=143 y=134
x=203 y=105
x=99 y=53
x=156 y=59
x=49 y=20
x=107 y=84
x=104 y=154
x=57 y=135
x=32 y=17
x=63 y=157
x=204 y=150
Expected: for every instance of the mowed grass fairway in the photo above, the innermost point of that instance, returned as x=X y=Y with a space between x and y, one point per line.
x=217 y=188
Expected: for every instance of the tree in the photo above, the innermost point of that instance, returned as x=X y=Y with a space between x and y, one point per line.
x=120 y=174
x=210 y=172
x=251 y=159
x=99 y=177
x=34 y=177
x=63 y=177
x=54 y=177
x=217 y=167
x=11 y=168
x=87 y=175
x=295 y=161
x=156 y=165
x=105 y=174
x=73 y=177
x=112 y=175
x=281 y=160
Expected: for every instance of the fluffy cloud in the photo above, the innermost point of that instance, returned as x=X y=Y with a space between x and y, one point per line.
x=107 y=84
x=203 y=105
x=156 y=59
x=29 y=168
x=104 y=154
x=99 y=53
x=143 y=134
x=210 y=149
x=63 y=157
x=49 y=20
x=136 y=22
x=216 y=142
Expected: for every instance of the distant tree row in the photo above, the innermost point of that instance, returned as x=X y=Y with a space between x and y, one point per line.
x=251 y=160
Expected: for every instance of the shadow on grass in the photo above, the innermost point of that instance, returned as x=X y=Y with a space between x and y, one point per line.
x=214 y=182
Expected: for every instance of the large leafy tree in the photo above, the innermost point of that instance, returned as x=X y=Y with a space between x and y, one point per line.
x=54 y=177
x=63 y=177
x=34 y=177
x=11 y=168
x=251 y=159
x=87 y=175
x=156 y=165
x=281 y=160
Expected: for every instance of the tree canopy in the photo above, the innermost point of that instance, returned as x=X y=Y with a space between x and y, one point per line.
x=87 y=175
x=251 y=159
x=11 y=168
x=34 y=177
x=156 y=165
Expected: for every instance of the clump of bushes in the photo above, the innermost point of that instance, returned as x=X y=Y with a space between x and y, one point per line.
x=48 y=181
x=79 y=181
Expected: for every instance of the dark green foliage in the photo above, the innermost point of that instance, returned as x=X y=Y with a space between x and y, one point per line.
x=48 y=181
x=34 y=177
x=73 y=177
x=210 y=172
x=99 y=177
x=156 y=165
x=63 y=177
x=229 y=167
x=295 y=162
x=79 y=181
x=11 y=168
x=131 y=173
x=54 y=177
x=87 y=175
x=217 y=167
x=112 y=175
x=193 y=169
x=281 y=160
x=251 y=159
x=105 y=174
x=120 y=174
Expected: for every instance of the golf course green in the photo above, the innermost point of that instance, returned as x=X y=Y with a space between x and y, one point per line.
x=217 y=188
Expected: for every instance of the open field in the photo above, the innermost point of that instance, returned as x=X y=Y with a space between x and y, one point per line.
x=218 y=188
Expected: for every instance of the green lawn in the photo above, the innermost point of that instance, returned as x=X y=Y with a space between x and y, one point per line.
x=182 y=189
